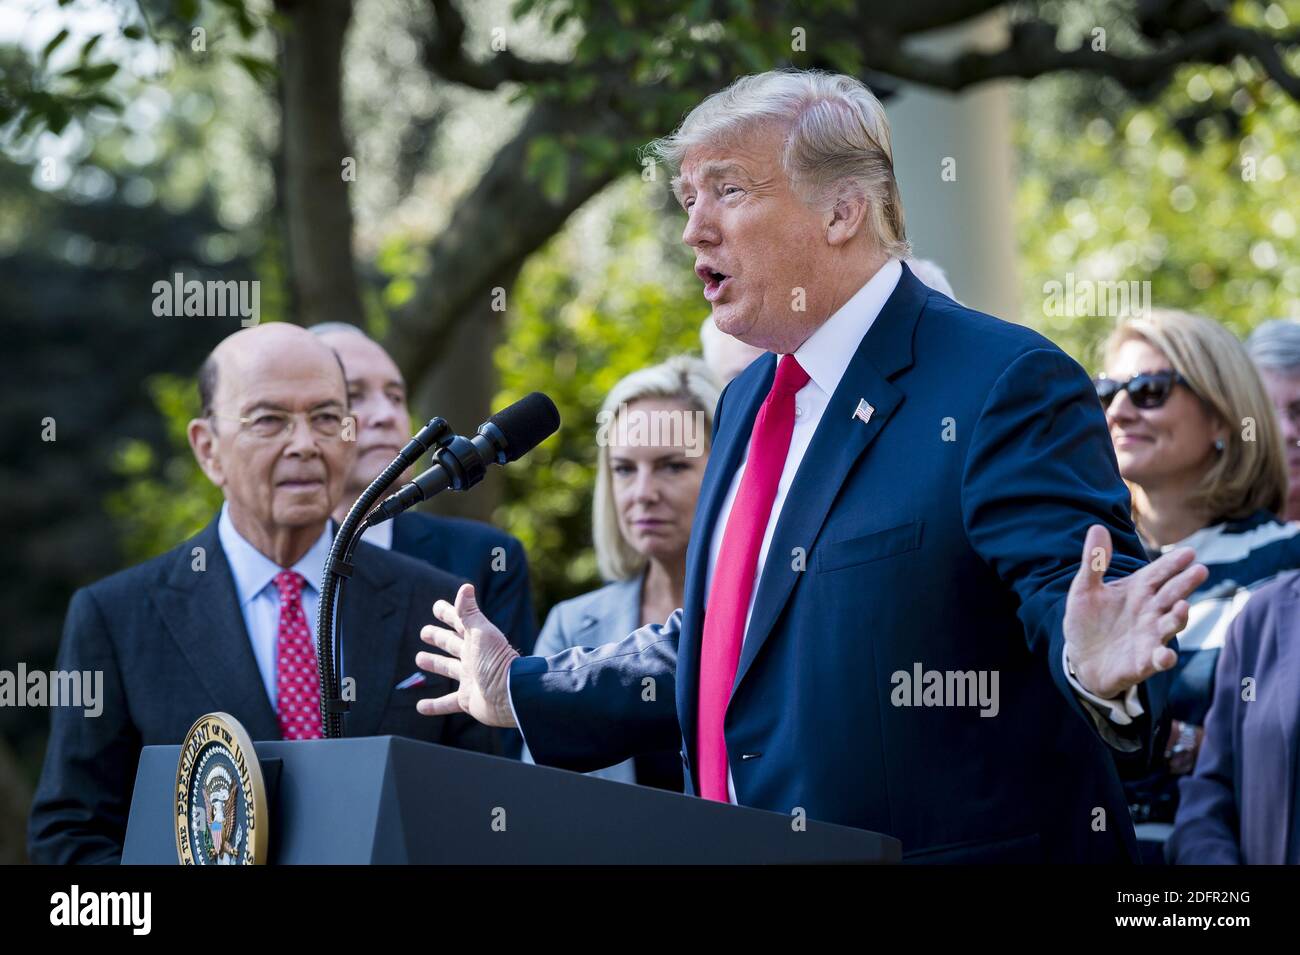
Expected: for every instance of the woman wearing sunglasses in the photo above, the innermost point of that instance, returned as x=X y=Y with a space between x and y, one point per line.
x=1198 y=444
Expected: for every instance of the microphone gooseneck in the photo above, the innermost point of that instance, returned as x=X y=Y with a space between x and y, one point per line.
x=338 y=567
x=461 y=463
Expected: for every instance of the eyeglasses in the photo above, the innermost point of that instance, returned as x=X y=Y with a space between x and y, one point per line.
x=1146 y=391
x=267 y=425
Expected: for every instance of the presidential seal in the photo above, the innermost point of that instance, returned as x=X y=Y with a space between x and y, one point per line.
x=220 y=812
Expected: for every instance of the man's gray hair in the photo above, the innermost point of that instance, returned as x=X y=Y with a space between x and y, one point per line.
x=1275 y=346
x=837 y=141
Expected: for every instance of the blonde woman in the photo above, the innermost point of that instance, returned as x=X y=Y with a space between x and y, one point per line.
x=653 y=435
x=1198 y=445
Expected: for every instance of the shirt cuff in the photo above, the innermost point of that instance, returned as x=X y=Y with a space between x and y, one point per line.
x=510 y=701
x=1108 y=714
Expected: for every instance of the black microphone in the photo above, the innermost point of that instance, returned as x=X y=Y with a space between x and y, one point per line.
x=506 y=436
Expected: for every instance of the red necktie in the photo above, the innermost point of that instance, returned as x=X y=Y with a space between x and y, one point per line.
x=297 y=683
x=736 y=568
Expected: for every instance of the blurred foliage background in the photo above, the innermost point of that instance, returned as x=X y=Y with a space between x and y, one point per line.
x=133 y=156
x=1194 y=190
x=581 y=323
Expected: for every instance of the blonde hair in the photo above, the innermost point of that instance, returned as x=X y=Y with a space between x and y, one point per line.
x=681 y=378
x=837 y=143
x=1248 y=475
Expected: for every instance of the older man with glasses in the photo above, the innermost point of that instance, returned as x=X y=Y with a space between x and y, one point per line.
x=226 y=621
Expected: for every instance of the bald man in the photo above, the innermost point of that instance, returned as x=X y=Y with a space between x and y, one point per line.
x=227 y=620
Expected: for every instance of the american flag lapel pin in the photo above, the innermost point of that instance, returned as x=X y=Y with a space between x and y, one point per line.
x=864 y=411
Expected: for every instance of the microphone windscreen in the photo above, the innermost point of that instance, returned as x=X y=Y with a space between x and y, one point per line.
x=527 y=423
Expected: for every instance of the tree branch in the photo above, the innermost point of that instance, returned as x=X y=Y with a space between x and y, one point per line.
x=494 y=229
x=1027 y=56
x=444 y=54
x=1265 y=51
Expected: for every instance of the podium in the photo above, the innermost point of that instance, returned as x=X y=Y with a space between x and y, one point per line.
x=392 y=800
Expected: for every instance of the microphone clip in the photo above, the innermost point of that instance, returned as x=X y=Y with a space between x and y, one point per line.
x=462 y=462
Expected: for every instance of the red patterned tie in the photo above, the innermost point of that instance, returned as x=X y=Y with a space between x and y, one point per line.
x=297 y=683
x=736 y=568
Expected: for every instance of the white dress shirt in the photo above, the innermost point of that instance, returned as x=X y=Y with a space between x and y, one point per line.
x=259 y=599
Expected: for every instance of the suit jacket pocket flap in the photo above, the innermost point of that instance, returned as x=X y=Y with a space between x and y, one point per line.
x=837 y=555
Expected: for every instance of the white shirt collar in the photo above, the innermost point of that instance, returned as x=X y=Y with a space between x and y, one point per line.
x=252 y=570
x=826 y=353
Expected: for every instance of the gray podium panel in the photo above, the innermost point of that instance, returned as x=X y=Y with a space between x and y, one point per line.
x=387 y=799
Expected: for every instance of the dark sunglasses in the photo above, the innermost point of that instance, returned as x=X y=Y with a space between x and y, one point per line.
x=1146 y=391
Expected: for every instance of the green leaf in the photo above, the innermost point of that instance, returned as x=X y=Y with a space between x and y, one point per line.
x=91 y=75
x=57 y=117
x=398 y=292
x=30 y=121
x=90 y=46
x=100 y=99
x=53 y=44
x=245 y=24
x=261 y=70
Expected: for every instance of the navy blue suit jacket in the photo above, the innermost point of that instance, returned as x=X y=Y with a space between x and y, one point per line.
x=172 y=645
x=490 y=559
x=1240 y=805
x=945 y=533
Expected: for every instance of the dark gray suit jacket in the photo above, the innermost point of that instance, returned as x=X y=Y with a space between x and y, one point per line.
x=172 y=645
x=1240 y=804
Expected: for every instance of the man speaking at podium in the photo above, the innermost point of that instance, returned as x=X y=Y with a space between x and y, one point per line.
x=887 y=623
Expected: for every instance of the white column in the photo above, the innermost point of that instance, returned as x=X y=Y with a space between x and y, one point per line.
x=966 y=225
